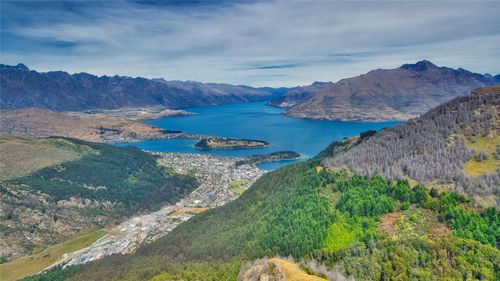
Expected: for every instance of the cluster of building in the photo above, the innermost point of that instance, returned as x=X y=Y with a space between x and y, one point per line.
x=220 y=181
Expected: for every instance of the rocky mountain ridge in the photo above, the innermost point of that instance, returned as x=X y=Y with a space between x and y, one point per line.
x=384 y=94
x=59 y=90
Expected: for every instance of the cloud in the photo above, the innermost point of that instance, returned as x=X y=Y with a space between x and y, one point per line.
x=256 y=43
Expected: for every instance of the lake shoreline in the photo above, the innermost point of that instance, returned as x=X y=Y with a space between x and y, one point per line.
x=251 y=121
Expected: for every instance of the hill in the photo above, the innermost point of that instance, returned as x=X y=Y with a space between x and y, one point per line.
x=55 y=188
x=453 y=147
x=365 y=228
x=58 y=90
x=385 y=94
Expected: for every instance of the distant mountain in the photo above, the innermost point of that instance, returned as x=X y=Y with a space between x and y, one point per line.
x=298 y=94
x=383 y=94
x=58 y=90
x=455 y=146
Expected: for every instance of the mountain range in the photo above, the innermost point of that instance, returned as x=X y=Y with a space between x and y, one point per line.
x=58 y=90
x=383 y=94
x=379 y=95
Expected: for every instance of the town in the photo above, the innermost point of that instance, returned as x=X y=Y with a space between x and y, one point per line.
x=220 y=181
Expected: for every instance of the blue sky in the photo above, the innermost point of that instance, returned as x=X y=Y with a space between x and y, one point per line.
x=260 y=43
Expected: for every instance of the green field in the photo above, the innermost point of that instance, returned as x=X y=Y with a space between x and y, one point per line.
x=30 y=265
x=490 y=165
x=239 y=183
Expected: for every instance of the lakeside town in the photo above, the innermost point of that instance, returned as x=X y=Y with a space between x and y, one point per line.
x=220 y=181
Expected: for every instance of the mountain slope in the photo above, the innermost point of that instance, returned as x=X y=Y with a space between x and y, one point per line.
x=56 y=187
x=58 y=90
x=326 y=217
x=389 y=94
x=437 y=148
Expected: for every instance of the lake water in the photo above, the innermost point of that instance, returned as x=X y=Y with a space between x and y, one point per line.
x=255 y=121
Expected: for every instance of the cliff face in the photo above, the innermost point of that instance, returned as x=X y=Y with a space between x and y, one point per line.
x=58 y=90
x=389 y=94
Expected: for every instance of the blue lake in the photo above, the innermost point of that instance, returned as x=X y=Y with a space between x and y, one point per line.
x=255 y=121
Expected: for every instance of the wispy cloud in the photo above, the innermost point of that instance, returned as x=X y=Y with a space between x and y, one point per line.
x=258 y=43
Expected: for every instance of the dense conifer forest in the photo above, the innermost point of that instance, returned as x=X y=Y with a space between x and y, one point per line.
x=124 y=176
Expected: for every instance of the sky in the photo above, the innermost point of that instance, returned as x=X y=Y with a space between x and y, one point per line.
x=258 y=43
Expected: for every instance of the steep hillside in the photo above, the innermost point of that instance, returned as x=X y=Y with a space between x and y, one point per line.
x=58 y=90
x=453 y=147
x=68 y=186
x=21 y=156
x=367 y=228
x=389 y=94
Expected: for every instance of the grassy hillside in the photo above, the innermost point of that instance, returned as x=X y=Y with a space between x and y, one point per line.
x=485 y=155
x=334 y=218
x=35 y=263
x=21 y=156
x=74 y=185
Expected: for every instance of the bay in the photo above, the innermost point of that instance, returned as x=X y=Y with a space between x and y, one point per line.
x=257 y=121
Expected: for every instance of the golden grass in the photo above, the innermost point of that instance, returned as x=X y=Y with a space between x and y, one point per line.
x=293 y=271
x=488 y=145
x=319 y=169
x=21 y=156
x=33 y=264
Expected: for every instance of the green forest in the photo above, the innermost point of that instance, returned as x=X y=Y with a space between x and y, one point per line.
x=332 y=217
x=126 y=176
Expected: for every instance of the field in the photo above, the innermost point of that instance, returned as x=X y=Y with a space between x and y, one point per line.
x=189 y=210
x=239 y=183
x=474 y=167
x=32 y=264
x=22 y=156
